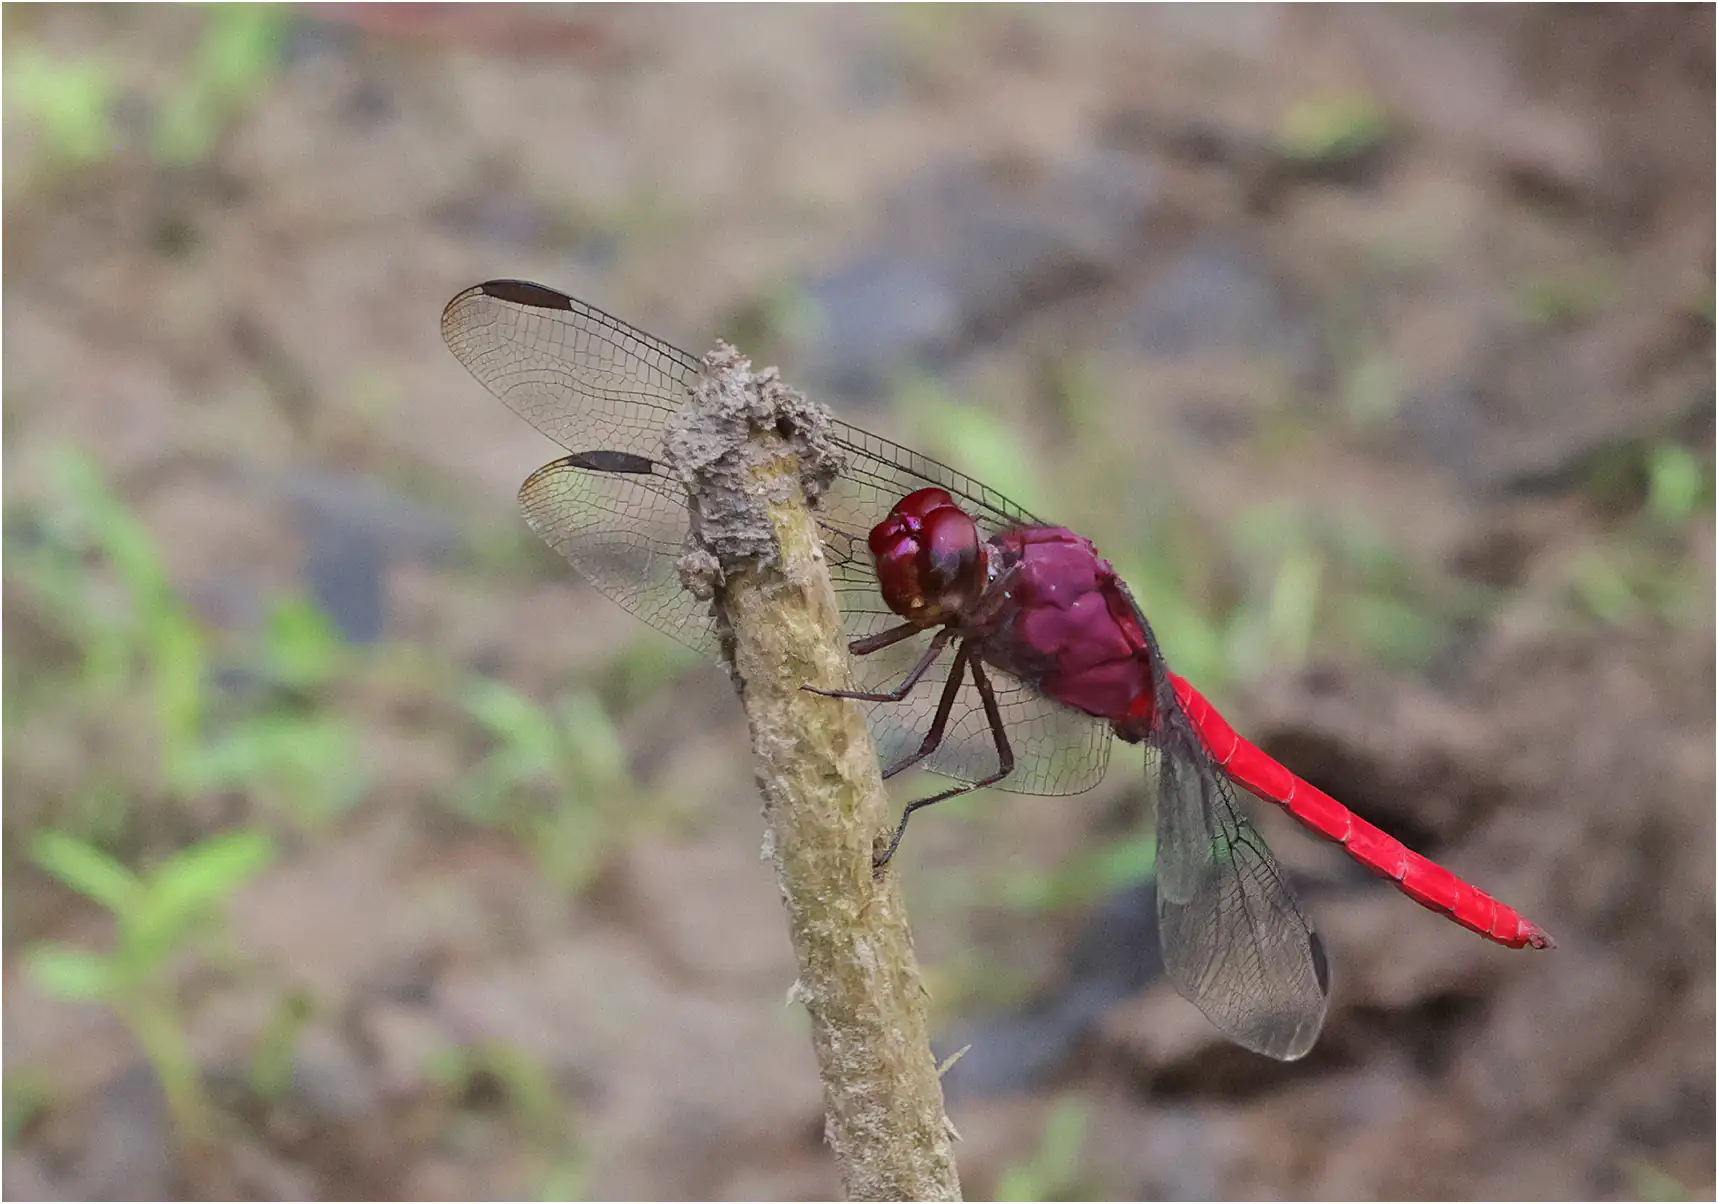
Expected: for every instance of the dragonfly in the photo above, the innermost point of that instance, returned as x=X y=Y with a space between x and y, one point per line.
x=990 y=646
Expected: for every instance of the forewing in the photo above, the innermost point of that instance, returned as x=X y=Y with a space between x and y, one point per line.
x=590 y=381
x=880 y=472
x=583 y=378
x=1235 y=942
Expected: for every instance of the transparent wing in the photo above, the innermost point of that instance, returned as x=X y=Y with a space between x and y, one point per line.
x=1235 y=942
x=625 y=532
x=606 y=392
x=590 y=381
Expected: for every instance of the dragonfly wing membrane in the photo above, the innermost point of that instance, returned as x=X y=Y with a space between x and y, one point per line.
x=1235 y=941
x=1057 y=750
x=625 y=533
x=583 y=378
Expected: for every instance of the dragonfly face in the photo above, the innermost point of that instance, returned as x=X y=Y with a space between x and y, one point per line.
x=931 y=563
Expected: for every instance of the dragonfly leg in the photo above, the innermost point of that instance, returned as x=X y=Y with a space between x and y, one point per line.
x=937 y=644
x=865 y=645
x=939 y=721
x=1004 y=753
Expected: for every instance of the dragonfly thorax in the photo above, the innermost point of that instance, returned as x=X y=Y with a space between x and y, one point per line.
x=931 y=563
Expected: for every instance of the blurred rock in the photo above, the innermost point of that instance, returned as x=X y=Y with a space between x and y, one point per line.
x=355 y=527
x=1537 y=386
x=25 y=1178
x=1158 y=1033
x=1024 y=1049
x=681 y=1077
x=1216 y=295
x=1183 y=1149
x=875 y=316
x=967 y=251
x=1115 y=956
x=127 y=1143
x=1447 y=422
x=1560 y=399
x=1214 y=335
x=329 y=1081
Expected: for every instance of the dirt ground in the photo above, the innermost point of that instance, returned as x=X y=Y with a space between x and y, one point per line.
x=1374 y=344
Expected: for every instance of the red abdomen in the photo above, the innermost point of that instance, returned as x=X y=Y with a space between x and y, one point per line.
x=1065 y=626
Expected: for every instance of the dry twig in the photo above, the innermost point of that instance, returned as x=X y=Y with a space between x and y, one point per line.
x=752 y=454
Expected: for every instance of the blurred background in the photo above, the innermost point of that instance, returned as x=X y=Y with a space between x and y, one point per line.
x=355 y=848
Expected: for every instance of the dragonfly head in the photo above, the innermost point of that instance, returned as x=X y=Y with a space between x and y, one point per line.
x=931 y=563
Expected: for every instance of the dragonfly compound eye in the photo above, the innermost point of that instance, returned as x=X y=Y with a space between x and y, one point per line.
x=930 y=560
x=949 y=556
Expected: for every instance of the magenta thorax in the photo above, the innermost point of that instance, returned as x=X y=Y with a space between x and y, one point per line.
x=1066 y=625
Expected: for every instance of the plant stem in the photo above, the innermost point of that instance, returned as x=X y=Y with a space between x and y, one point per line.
x=157 y=1029
x=750 y=451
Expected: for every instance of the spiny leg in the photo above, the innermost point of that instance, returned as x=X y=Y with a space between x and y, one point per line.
x=865 y=645
x=1004 y=753
x=939 y=721
x=935 y=649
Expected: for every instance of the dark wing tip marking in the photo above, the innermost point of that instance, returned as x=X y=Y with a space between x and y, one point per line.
x=524 y=292
x=1320 y=962
x=611 y=461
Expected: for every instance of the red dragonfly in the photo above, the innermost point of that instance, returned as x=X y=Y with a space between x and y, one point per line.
x=996 y=649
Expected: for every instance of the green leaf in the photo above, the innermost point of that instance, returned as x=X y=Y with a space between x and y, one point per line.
x=1391 y=630
x=177 y=661
x=567 y=1178
x=1676 y=481
x=235 y=60
x=1333 y=126
x=305 y=649
x=310 y=762
x=1650 y=1182
x=568 y=845
x=69 y=101
x=1053 y=1171
x=214 y=869
x=1571 y=295
x=483 y=794
x=28 y=1094
x=120 y=537
x=592 y=740
x=646 y=665
x=1605 y=588
x=86 y=869
x=247 y=755
x=990 y=448
x=515 y=720
x=1085 y=878
x=241 y=47
x=69 y=973
x=1372 y=388
x=1293 y=607
x=185 y=888
x=276 y=1051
